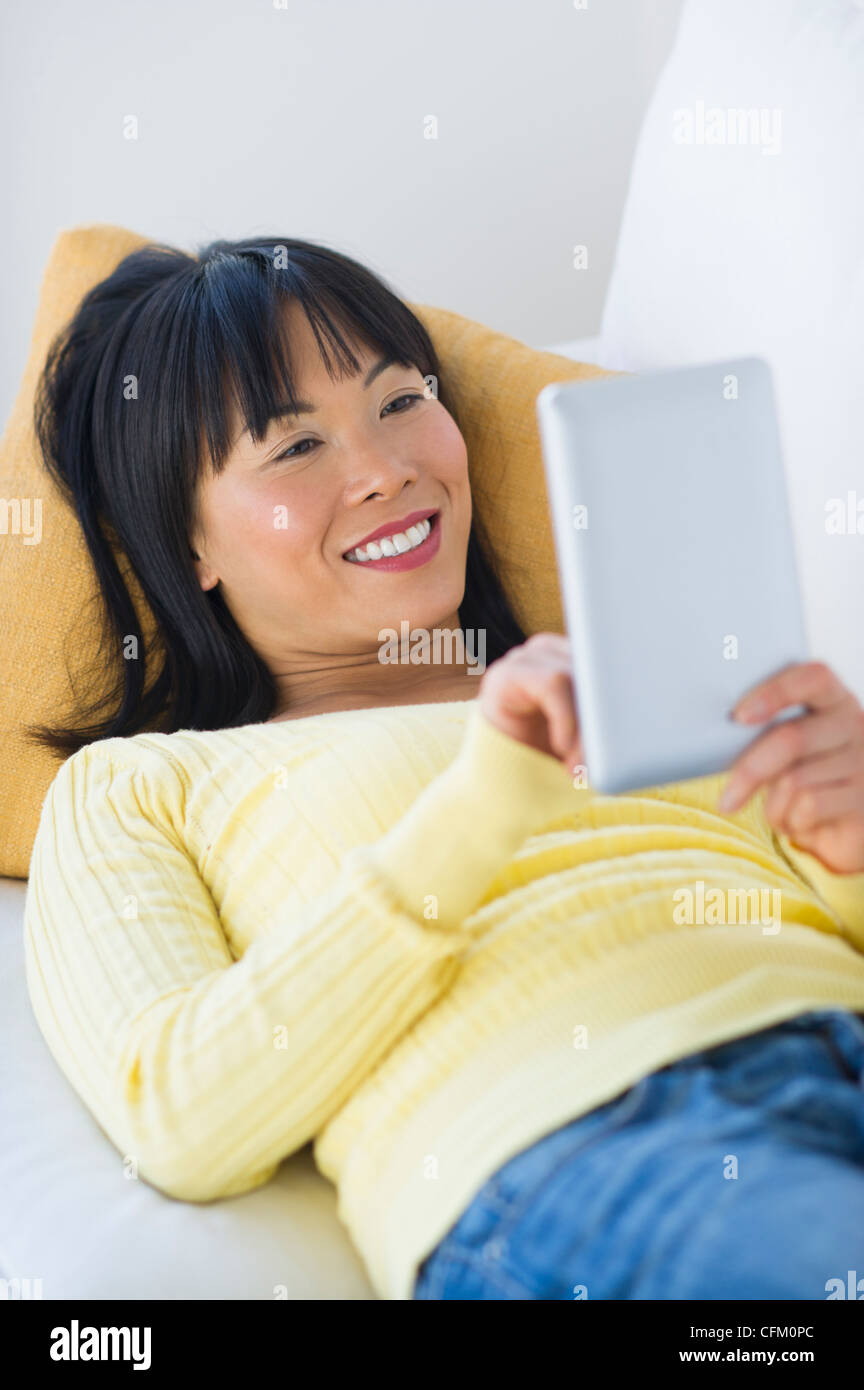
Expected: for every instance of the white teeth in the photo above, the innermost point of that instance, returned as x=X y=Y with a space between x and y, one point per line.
x=396 y=544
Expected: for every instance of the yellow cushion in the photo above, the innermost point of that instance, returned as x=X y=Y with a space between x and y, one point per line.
x=49 y=616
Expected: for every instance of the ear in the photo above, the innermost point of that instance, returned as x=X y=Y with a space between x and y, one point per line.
x=207 y=578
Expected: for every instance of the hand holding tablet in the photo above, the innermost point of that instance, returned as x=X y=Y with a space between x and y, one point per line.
x=812 y=768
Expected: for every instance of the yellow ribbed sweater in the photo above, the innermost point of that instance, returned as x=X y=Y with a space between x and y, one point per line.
x=401 y=933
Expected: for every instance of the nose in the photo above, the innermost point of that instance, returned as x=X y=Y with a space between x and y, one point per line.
x=377 y=474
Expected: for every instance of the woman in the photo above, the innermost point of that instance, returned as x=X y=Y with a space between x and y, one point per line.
x=287 y=891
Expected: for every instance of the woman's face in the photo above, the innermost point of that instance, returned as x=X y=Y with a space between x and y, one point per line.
x=278 y=525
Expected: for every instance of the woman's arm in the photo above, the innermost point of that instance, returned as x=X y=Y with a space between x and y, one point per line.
x=208 y=1071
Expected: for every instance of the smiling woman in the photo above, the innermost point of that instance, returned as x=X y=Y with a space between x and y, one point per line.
x=266 y=484
x=413 y=935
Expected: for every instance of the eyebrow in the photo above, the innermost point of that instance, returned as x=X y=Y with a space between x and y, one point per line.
x=308 y=408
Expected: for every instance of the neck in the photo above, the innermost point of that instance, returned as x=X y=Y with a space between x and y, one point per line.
x=413 y=667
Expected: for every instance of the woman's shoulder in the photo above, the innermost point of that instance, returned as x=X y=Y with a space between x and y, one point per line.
x=178 y=746
x=193 y=756
x=178 y=758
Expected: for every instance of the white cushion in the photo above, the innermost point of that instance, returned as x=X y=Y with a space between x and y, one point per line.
x=731 y=249
x=580 y=349
x=69 y=1218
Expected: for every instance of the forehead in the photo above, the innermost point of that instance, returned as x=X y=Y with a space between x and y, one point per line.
x=310 y=375
x=304 y=349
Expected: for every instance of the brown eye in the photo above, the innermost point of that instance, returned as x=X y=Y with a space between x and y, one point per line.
x=289 y=453
x=411 y=398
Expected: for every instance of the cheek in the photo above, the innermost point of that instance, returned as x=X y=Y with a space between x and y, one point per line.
x=258 y=527
x=446 y=450
x=295 y=521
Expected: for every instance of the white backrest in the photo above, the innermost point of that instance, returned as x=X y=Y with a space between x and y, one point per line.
x=744 y=233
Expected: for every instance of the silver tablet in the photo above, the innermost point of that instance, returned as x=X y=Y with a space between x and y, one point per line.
x=676 y=560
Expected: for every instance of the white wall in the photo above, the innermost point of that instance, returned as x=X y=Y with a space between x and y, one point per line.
x=308 y=121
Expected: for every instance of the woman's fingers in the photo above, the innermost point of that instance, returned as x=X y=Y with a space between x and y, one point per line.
x=810 y=683
x=529 y=694
x=548 y=685
x=838 y=844
x=785 y=746
x=839 y=766
x=813 y=806
x=812 y=766
x=561 y=713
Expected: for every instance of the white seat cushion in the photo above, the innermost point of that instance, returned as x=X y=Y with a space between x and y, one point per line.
x=69 y=1217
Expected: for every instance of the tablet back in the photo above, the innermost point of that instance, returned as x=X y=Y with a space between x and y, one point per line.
x=676 y=560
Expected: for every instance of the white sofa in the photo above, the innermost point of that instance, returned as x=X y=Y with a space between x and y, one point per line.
x=722 y=250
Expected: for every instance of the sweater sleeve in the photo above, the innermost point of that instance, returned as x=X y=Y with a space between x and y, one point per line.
x=844 y=893
x=468 y=822
x=205 y=1071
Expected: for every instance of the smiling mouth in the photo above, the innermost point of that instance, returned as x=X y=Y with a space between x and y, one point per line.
x=414 y=540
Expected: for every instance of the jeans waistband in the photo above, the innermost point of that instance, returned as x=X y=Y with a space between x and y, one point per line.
x=842 y=1028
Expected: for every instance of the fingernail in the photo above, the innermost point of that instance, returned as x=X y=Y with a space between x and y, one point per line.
x=730 y=795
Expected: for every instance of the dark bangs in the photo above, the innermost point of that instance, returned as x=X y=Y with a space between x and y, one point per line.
x=241 y=343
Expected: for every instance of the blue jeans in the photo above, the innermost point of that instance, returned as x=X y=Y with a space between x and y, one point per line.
x=735 y=1173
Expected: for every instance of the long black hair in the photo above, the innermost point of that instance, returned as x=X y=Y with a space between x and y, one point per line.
x=188 y=329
